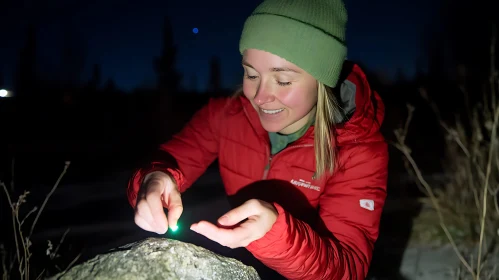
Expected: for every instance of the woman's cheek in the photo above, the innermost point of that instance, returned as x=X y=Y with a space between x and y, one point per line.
x=249 y=90
x=289 y=97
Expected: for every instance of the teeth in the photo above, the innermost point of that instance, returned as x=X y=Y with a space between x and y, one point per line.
x=272 y=111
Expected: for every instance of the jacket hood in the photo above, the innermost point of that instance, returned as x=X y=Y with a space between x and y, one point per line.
x=361 y=110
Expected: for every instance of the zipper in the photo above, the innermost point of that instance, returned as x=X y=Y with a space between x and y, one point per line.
x=268 y=155
x=267 y=168
x=269 y=158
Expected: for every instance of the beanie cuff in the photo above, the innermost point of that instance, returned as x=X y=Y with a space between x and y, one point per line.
x=318 y=53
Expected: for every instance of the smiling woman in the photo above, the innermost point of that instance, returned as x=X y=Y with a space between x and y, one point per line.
x=299 y=150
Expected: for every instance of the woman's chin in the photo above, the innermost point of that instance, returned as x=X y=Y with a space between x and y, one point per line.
x=273 y=122
x=272 y=127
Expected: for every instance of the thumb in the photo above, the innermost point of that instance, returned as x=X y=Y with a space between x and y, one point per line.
x=175 y=207
x=249 y=208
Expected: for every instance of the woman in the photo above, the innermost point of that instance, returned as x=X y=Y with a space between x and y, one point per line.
x=299 y=150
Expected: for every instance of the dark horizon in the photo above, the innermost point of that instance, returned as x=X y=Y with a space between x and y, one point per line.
x=125 y=45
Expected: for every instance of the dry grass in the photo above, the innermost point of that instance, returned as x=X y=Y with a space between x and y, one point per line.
x=22 y=255
x=464 y=211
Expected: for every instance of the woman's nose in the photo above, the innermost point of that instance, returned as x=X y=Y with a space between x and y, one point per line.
x=263 y=96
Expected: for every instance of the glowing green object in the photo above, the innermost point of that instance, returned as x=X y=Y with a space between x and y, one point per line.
x=174 y=228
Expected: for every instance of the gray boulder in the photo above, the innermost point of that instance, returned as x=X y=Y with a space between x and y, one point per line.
x=160 y=258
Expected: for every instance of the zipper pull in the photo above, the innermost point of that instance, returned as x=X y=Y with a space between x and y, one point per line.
x=267 y=167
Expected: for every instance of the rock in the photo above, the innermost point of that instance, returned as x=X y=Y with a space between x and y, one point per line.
x=160 y=258
x=427 y=262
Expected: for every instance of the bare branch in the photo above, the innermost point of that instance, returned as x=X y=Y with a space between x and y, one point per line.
x=48 y=196
x=29 y=213
x=13 y=221
x=54 y=254
x=437 y=207
x=40 y=275
x=3 y=253
x=12 y=174
x=492 y=146
x=72 y=262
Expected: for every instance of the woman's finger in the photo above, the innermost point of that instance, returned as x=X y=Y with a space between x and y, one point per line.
x=139 y=221
x=155 y=205
x=144 y=212
x=232 y=238
x=175 y=208
x=249 y=208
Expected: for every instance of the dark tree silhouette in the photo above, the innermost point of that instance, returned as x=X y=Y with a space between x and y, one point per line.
x=468 y=30
x=437 y=65
x=26 y=77
x=420 y=70
x=456 y=51
x=73 y=57
x=110 y=86
x=194 y=83
x=400 y=76
x=96 y=79
x=2 y=81
x=168 y=79
x=215 y=78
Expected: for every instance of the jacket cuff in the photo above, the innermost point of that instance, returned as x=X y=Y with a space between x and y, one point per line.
x=166 y=168
x=275 y=234
x=135 y=183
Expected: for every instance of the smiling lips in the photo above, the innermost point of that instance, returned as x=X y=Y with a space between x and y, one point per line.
x=271 y=112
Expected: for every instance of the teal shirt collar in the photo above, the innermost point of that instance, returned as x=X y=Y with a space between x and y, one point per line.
x=280 y=141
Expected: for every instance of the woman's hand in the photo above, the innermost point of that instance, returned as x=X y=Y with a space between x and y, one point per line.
x=157 y=192
x=260 y=216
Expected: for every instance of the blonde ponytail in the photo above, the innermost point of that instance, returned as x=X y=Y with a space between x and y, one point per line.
x=324 y=145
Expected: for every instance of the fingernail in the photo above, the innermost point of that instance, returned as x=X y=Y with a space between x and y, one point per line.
x=162 y=228
x=223 y=220
x=193 y=228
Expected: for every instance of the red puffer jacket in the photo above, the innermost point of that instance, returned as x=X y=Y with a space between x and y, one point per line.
x=326 y=228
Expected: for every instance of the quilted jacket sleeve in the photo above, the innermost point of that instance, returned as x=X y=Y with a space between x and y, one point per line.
x=188 y=154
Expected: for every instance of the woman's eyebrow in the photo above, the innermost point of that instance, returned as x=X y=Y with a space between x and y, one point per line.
x=273 y=69
x=247 y=64
x=283 y=69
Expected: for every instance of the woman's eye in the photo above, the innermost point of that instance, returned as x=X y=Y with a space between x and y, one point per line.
x=251 y=77
x=283 y=83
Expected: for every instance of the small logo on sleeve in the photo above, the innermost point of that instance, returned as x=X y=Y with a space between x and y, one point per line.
x=367 y=204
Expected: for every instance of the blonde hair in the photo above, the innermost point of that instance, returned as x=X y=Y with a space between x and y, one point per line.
x=324 y=141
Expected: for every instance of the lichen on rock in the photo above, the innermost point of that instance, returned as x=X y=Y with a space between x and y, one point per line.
x=160 y=258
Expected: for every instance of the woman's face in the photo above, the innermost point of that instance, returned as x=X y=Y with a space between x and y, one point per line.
x=284 y=95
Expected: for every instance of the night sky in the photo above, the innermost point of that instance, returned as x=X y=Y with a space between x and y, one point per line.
x=125 y=36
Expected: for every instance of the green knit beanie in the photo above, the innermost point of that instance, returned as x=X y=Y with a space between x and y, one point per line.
x=307 y=33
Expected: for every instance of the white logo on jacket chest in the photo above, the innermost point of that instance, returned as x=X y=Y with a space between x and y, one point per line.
x=304 y=184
